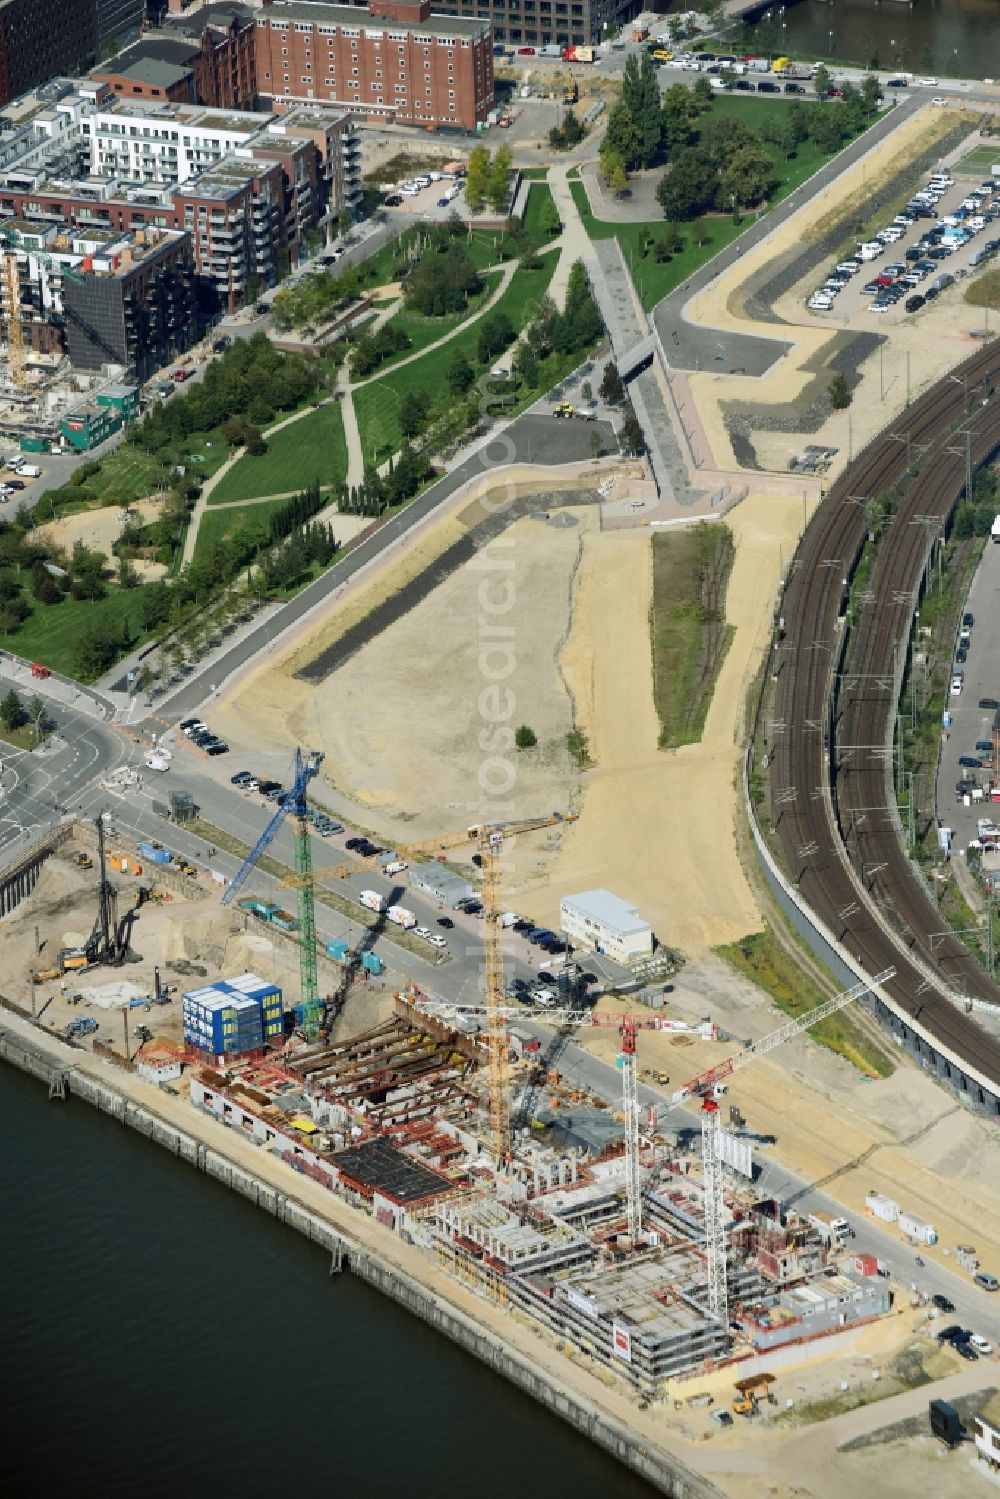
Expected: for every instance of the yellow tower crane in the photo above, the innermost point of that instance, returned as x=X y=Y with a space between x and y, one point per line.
x=12 y=311
x=489 y=839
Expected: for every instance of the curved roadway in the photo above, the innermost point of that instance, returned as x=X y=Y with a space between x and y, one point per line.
x=832 y=807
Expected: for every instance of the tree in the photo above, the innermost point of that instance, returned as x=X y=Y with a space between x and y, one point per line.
x=413 y=412
x=840 y=392
x=669 y=242
x=871 y=92
x=749 y=176
x=644 y=107
x=618 y=179
x=690 y=187
x=677 y=116
x=621 y=135
x=38 y=714
x=12 y=711
x=460 y=374
x=548 y=220
x=632 y=439
x=476 y=178
x=526 y=364
x=701 y=94
x=525 y=737
x=821 y=81
x=498 y=182
x=611 y=389
x=613 y=172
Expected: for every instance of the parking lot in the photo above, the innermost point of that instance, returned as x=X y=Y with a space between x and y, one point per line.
x=912 y=260
x=971 y=724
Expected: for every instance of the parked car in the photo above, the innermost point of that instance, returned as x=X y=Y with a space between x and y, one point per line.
x=971 y=762
x=990 y=702
x=446 y=922
x=942 y=1303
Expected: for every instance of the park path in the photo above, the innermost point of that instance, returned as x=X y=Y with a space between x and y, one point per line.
x=194 y=524
x=345 y=395
x=574 y=241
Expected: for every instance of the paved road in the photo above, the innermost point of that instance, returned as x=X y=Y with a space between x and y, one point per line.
x=530 y=439
x=37 y=788
x=690 y=347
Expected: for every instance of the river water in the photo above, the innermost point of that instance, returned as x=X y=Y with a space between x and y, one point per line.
x=957 y=38
x=160 y=1337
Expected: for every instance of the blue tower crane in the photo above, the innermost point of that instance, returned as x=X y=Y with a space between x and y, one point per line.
x=294 y=801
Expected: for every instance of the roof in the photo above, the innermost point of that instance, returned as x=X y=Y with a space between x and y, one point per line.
x=359 y=16
x=194 y=23
x=152 y=70
x=610 y=910
x=448 y=886
x=153 y=48
x=990 y=1411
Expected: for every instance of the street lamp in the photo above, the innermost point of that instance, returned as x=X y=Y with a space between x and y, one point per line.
x=830 y=35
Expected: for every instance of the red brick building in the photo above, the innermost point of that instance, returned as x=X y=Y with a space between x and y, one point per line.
x=207 y=57
x=395 y=62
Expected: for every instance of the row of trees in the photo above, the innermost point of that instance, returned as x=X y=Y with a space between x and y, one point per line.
x=487 y=180
x=379 y=492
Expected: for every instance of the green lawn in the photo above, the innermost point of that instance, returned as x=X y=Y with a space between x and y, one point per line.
x=979 y=160
x=127 y=474
x=377 y=401
x=539 y=195
x=706 y=236
x=427 y=330
x=50 y=633
x=314 y=447
x=219 y=525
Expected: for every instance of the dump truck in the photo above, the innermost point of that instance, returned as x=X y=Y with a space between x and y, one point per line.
x=45 y=975
x=571 y=93
x=73 y=958
x=85 y=1025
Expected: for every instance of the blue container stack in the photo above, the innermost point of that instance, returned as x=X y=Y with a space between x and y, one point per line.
x=233 y=1016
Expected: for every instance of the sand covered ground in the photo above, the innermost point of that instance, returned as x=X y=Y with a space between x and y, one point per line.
x=100 y=529
x=657 y=827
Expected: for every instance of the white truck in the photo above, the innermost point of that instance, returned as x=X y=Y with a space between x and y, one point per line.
x=395 y=866
x=157 y=762
x=372 y=900
x=400 y=916
x=29 y=471
x=995 y=529
x=834 y=1232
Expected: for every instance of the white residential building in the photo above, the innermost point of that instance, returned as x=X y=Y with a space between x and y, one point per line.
x=151 y=143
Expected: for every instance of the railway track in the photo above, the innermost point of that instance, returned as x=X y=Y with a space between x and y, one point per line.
x=830 y=736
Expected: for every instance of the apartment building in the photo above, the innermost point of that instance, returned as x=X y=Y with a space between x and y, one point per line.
x=148 y=143
x=131 y=301
x=234 y=214
x=396 y=63
x=40 y=39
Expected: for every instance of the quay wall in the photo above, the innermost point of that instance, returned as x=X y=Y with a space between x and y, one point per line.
x=39 y=1057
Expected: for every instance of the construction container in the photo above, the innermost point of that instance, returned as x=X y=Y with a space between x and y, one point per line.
x=264 y=909
x=338 y=950
x=917 y=1228
x=400 y=916
x=233 y=1016
x=864 y=1264
x=284 y=921
x=90 y=425
x=34 y=445
x=881 y=1207
x=154 y=853
x=372 y=963
x=121 y=398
